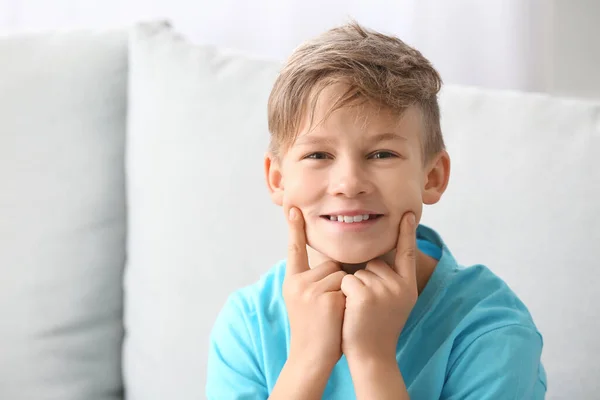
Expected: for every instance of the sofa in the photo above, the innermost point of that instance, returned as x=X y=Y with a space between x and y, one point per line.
x=132 y=202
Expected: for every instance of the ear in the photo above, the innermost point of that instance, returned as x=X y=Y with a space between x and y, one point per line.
x=274 y=178
x=436 y=178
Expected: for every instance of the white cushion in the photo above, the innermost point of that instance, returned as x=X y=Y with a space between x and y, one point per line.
x=62 y=214
x=200 y=220
x=524 y=199
x=202 y=224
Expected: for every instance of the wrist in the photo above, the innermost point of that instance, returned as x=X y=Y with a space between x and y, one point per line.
x=300 y=380
x=377 y=378
x=381 y=353
x=371 y=363
x=310 y=366
x=313 y=359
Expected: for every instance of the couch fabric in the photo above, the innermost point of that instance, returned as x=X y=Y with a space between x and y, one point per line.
x=62 y=214
x=524 y=199
x=199 y=215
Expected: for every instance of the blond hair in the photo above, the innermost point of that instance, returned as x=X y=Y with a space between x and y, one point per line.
x=377 y=68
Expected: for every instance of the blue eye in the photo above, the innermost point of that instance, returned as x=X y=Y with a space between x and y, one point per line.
x=382 y=154
x=318 y=156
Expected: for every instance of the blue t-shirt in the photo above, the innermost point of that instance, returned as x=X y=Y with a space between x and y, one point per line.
x=468 y=337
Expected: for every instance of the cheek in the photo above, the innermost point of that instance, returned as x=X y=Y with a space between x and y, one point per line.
x=302 y=189
x=405 y=196
x=306 y=189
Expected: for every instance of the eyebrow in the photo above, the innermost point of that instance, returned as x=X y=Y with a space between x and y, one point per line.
x=387 y=136
x=380 y=137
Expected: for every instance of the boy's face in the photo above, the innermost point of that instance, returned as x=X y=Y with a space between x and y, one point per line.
x=360 y=161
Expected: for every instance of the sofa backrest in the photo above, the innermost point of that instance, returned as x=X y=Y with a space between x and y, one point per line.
x=524 y=199
x=62 y=214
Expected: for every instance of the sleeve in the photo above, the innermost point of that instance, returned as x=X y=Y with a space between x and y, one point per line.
x=233 y=370
x=501 y=364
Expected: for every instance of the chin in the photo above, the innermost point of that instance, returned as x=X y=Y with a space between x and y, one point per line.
x=348 y=250
x=353 y=256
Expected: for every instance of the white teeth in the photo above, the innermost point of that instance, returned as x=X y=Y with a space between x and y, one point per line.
x=349 y=219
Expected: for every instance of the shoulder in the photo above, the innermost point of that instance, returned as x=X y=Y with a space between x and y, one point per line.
x=491 y=319
x=494 y=336
x=501 y=363
x=267 y=289
x=490 y=340
x=260 y=300
x=483 y=301
x=238 y=358
x=471 y=296
x=472 y=301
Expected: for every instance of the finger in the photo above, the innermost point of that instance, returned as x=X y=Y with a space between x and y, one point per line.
x=406 y=249
x=351 y=284
x=297 y=260
x=332 y=282
x=368 y=278
x=381 y=269
x=322 y=270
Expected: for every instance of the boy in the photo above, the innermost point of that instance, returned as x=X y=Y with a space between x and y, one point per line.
x=368 y=304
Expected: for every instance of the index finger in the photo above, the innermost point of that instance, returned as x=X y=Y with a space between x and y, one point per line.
x=297 y=260
x=405 y=263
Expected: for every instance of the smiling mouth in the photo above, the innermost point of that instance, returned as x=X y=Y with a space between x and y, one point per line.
x=346 y=219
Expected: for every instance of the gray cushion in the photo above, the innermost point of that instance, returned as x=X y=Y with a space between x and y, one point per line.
x=62 y=214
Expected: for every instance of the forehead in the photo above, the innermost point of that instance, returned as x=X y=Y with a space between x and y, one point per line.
x=325 y=113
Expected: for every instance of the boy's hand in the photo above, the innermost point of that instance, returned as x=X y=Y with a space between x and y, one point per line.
x=379 y=300
x=314 y=302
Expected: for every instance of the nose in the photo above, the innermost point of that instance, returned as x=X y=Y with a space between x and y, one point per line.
x=349 y=178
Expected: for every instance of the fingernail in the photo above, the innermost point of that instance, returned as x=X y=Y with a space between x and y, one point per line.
x=292 y=214
x=412 y=220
